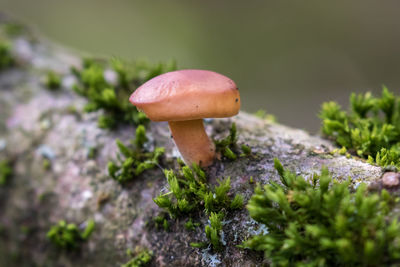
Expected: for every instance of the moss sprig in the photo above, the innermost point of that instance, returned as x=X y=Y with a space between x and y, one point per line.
x=68 y=236
x=324 y=223
x=112 y=97
x=53 y=80
x=262 y=114
x=213 y=230
x=228 y=146
x=142 y=259
x=5 y=171
x=189 y=194
x=371 y=129
x=134 y=159
x=161 y=221
x=6 y=57
x=190 y=225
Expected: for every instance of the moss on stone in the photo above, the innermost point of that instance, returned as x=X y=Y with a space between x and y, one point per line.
x=53 y=80
x=371 y=129
x=5 y=172
x=324 y=223
x=189 y=193
x=142 y=259
x=6 y=58
x=134 y=159
x=111 y=94
x=228 y=146
x=68 y=236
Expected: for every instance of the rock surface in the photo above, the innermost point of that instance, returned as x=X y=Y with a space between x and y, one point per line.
x=37 y=124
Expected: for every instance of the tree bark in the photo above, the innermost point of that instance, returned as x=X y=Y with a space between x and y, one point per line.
x=36 y=123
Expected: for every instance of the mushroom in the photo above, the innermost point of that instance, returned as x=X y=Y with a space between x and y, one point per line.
x=184 y=98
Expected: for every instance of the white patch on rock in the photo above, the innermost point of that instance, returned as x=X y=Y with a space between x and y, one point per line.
x=211 y=259
x=3 y=144
x=86 y=195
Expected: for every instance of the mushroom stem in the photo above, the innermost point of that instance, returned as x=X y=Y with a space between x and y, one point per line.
x=193 y=142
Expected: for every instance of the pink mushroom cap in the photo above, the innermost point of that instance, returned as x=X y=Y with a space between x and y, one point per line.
x=187 y=95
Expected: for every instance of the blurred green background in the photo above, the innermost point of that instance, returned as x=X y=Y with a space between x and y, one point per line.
x=287 y=57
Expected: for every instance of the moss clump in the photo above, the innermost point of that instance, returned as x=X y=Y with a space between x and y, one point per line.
x=6 y=58
x=324 y=223
x=189 y=193
x=371 y=129
x=161 y=221
x=112 y=97
x=140 y=260
x=133 y=160
x=53 y=80
x=213 y=230
x=13 y=29
x=46 y=163
x=68 y=236
x=262 y=114
x=190 y=225
x=228 y=146
x=5 y=172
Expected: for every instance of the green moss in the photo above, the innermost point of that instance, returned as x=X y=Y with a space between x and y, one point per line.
x=246 y=150
x=251 y=180
x=92 y=152
x=161 y=221
x=113 y=99
x=190 y=225
x=5 y=172
x=46 y=164
x=68 y=236
x=324 y=223
x=190 y=194
x=237 y=202
x=6 y=58
x=371 y=129
x=213 y=230
x=262 y=114
x=142 y=259
x=13 y=29
x=199 y=244
x=135 y=159
x=53 y=80
x=228 y=146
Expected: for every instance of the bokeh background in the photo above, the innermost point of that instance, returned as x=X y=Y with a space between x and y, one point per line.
x=287 y=57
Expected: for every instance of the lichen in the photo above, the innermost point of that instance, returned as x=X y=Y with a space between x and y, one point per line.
x=324 y=223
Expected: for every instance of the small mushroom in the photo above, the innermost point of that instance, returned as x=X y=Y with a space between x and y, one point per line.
x=184 y=98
